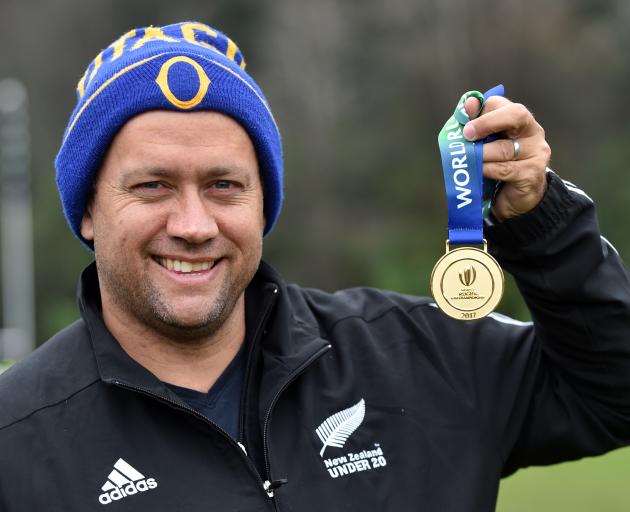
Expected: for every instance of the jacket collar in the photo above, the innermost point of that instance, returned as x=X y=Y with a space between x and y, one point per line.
x=287 y=340
x=114 y=365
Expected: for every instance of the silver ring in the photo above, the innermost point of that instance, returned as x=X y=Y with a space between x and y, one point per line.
x=517 y=149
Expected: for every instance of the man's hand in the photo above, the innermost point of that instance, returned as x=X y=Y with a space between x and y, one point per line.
x=524 y=178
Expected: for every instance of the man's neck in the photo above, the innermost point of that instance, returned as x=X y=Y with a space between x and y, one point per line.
x=190 y=364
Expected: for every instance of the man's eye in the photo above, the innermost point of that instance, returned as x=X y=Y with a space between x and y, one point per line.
x=223 y=184
x=151 y=185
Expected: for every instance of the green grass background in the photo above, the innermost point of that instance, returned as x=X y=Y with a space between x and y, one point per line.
x=4 y=365
x=598 y=484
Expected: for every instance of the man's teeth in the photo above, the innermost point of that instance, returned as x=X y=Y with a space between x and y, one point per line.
x=185 y=266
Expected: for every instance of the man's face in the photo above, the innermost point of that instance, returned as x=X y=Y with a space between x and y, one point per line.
x=177 y=221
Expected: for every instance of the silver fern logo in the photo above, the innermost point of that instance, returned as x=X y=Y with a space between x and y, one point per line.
x=336 y=429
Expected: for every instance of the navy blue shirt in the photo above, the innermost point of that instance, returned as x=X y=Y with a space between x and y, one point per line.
x=222 y=403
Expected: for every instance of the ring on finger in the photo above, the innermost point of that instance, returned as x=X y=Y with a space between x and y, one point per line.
x=517 y=149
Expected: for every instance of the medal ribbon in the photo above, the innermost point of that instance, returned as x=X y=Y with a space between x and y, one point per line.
x=468 y=195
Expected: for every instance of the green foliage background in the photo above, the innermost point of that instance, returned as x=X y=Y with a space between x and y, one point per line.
x=360 y=89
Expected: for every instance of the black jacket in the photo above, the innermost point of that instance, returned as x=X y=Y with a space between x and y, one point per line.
x=361 y=400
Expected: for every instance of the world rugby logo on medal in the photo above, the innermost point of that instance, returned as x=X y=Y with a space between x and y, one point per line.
x=468 y=275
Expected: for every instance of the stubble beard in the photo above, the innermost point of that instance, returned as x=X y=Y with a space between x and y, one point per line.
x=142 y=300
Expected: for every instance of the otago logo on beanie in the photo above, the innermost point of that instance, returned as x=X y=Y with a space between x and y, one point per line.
x=182 y=67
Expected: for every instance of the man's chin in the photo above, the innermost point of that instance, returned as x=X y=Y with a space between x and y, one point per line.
x=188 y=329
x=187 y=320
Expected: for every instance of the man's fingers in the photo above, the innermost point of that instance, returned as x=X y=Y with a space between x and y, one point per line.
x=502 y=150
x=511 y=171
x=524 y=189
x=523 y=178
x=512 y=119
x=473 y=107
x=495 y=102
x=518 y=174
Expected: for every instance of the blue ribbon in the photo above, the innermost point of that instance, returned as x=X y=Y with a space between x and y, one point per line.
x=469 y=196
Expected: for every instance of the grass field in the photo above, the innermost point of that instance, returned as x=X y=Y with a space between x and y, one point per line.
x=600 y=484
x=4 y=365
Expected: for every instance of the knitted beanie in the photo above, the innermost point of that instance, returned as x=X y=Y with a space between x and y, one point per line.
x=181 y=67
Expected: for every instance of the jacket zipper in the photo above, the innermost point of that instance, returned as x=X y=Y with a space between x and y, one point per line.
x=291 y=379
x=265 y=486
x=248 y=369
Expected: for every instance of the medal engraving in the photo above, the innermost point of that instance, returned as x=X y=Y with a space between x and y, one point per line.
x=467 y=283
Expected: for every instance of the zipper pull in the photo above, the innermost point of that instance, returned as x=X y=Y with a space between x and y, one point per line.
x=270 y=486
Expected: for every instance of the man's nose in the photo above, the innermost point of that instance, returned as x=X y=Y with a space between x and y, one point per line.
x=192 y=219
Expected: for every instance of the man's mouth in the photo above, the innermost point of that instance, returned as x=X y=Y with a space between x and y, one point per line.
x=185 y=266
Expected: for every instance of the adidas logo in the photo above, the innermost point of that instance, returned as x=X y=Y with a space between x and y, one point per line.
x=124 y=481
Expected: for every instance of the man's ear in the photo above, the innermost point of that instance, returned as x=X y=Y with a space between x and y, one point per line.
x=87 y=224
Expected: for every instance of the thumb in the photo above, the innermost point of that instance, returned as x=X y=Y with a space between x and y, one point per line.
x=473 y=107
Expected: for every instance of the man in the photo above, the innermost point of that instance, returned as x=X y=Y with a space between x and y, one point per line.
x=198 y=380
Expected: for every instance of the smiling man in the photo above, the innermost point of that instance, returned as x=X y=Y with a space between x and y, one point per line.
x=177 y=222
x=197 y=379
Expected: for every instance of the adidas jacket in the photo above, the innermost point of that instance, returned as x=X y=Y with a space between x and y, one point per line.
x=361 y=400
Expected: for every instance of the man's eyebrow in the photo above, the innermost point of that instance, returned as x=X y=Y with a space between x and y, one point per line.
x=156 y=172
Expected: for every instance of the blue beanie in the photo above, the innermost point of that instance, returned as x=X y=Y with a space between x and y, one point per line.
x=182 y=67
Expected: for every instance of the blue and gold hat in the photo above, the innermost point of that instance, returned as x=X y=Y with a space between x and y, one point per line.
x=182 y=67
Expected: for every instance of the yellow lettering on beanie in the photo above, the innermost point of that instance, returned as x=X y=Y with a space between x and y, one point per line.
x=119 y=44
x=189 y=29
x=231 y=53
x=189 y=33
x=81 y=84
x=98 y=62
x=85 y=81
x=162 y=81
x=152 y=34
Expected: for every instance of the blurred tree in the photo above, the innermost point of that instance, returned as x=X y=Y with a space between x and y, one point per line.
x=359 y=90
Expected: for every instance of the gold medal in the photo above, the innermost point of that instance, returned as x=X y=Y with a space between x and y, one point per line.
x=467 y=283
